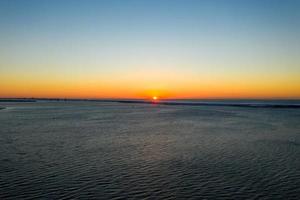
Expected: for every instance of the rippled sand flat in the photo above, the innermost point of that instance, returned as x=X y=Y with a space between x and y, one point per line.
x=94 y=150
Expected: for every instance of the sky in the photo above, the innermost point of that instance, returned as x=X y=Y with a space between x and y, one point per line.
x=140 y=49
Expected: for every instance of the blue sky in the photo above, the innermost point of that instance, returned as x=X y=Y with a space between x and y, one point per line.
x=206 y=39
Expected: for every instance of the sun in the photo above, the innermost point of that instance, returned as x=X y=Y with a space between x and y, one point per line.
x=154 y=98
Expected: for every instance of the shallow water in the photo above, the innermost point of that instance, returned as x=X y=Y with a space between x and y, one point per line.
x=102 y=150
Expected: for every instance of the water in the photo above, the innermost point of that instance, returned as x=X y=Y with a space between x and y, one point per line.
x=102 y=150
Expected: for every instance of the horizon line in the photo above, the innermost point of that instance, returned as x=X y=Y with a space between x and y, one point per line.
x=130 y=98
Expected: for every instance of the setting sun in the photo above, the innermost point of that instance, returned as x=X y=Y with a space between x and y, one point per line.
x=180 y=99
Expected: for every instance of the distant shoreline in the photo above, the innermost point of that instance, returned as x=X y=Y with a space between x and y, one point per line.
x=34 y=99
x=17 y=100
x=225 y=103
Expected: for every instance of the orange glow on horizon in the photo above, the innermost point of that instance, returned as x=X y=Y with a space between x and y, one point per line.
x=176 y=87
x=186 y=54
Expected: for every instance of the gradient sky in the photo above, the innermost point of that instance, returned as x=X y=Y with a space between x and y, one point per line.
x=137 y=49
